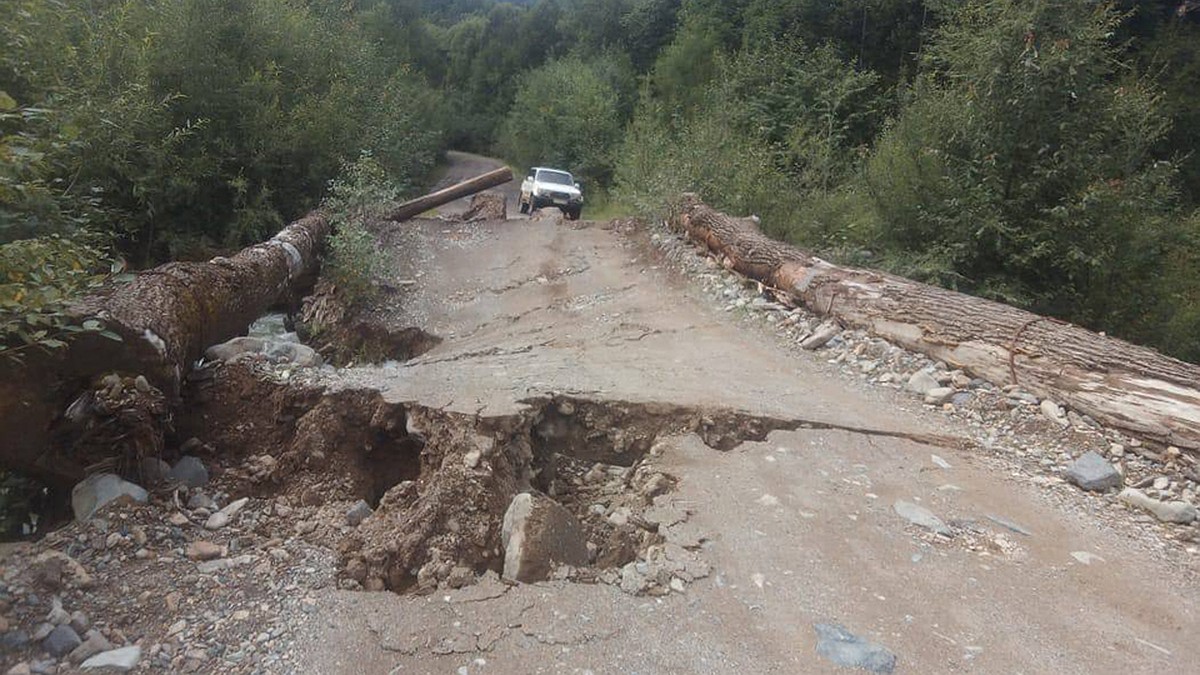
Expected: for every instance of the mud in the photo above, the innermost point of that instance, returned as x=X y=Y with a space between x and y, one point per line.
x=347 y=335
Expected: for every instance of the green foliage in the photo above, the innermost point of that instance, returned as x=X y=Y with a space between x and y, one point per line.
x=1022 y=169
x=356 y=197
x=201 y=124
x=38 y=279
x=776 y=121
x=567 y=115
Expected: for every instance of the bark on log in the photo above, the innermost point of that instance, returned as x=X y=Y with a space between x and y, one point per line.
x=166 y=317
x=444 y=196
x=1128 y=387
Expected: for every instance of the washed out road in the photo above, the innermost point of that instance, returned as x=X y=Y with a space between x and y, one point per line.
x=805 y=528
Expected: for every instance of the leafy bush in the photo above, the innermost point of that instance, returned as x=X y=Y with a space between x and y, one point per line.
x=38 y=279
x=356 y=197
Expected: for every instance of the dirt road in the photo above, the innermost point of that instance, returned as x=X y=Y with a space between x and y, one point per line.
x=461 y=166
x=800 y=529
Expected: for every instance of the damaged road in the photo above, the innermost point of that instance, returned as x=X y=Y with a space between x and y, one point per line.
x=711 y=497
x=783 y=485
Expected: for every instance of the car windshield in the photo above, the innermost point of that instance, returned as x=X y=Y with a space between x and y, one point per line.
x=555 y=177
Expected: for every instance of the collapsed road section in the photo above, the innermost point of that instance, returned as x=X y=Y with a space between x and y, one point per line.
x=584 y=447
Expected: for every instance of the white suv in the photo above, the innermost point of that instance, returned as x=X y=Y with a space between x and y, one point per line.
x=551 y=187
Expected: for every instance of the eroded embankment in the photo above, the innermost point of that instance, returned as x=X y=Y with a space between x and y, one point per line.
x=440 y=481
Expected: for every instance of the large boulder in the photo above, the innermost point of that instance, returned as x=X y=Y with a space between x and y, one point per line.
x=190 y=471
x=538 y=534
x=97 y=490
x=1093 y=472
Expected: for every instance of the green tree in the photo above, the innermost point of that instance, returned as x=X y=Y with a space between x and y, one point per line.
x=567 y=115
x=1021 y=167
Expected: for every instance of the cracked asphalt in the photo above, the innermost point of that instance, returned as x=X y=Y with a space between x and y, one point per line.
x=800 y=529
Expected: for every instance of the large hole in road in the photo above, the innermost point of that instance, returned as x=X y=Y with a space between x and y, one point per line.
x=441 y=481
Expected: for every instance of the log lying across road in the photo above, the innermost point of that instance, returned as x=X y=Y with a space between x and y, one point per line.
x=433 y=200
x=166 y=318
x=1125 y=386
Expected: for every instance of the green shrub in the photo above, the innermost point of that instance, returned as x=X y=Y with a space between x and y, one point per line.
x=356 y=197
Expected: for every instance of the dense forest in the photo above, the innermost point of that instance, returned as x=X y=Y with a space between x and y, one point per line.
x=1040 y=152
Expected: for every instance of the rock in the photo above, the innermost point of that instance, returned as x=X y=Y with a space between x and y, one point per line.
x=212 y=566
x=1086 y=557
x=1054 y=413
x=939 y=395
x=13 y=640
x=633 y=580
x=922 y=382
x=821 y=336
x=98 y=490
x=358 y=513
x=960 y=399
x=293 y=352
x=190 y=471
x=80 y=622
x=657 y=485
x=1168 y=512
x=311 y=497
x=227 y=351
x=537 y=534
x=200 y=500
x=154 y=471
x=1008 y=524
x=121 y=659
x=216 y=521
x=19 y=669
x=1093 y=472
x=939 y=462
x=57 y=616
x=472 y=458
x=847 y=650
x=460 y=577
x=94 y=644
x=61 y=641
x=221 y=518
x=54 y=570
x=620 y=516
x=922 y=517
x=203 y=550
x=178 y=519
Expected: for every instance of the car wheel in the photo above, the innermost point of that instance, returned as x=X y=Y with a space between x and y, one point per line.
x=573 y=214
x=524 y=207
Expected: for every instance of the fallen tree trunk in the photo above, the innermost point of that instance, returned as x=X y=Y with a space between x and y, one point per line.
x=165 y=317
x=444 y=196
x=1122 y=385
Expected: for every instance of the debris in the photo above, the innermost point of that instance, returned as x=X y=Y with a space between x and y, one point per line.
x=1168 y=512
x=537 y=533
x=847 y=650
x=61 y=641
x=98 y=490
x=125 y=658
x=358 y=513
x=922 y=517
x=190 y=471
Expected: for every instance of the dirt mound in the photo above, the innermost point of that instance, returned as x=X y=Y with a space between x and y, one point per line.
x=487 y=206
